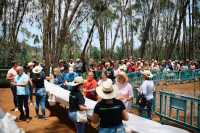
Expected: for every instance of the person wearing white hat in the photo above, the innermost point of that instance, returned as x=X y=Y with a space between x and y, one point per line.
x=40 y=93
x=77 y=103
x=109 y=111
x=147 y=89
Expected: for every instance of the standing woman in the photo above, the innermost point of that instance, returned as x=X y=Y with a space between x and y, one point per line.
x=40 y=93
x=77 y=103
x=125 y=93
x=147 y=89
x=109 y=111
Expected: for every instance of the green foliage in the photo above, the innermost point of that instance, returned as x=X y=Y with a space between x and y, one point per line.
x=23 y=54
x=71 y=52
x=95 y=53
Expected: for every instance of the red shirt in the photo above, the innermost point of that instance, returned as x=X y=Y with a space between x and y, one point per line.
x=90 y=85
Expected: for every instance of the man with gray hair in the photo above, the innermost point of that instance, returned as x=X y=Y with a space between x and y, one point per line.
x=21 y=82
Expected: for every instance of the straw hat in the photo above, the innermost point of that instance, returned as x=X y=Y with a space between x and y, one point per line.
x=77 y=81
x=106 y=90
x=122 y=75
x=147 y=73
x=37 y=69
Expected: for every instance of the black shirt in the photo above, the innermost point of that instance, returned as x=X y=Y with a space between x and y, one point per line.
x=75 y=99
x=38 y=80
x=110 y=114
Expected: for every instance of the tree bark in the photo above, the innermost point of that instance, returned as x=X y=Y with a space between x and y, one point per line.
x=145 y=35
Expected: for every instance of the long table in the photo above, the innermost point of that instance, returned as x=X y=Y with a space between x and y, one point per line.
x=134 y=124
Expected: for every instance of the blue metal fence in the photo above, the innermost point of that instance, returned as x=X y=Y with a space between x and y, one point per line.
x=182 y=110
x=170 y=76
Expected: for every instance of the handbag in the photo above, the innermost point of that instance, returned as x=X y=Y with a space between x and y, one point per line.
x=81 y=116
x=142 y=99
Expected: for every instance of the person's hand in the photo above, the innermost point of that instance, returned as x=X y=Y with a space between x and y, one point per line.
x=122 y=98
x=14 y=83
x=65 y=83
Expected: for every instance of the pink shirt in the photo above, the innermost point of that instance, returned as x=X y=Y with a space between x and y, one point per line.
x=11 y=74
x=125 y=90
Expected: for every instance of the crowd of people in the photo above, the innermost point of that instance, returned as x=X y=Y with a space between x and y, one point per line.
x=106 y=82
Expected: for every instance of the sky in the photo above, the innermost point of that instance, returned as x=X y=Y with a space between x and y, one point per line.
x=34 y=30
x=84 y=33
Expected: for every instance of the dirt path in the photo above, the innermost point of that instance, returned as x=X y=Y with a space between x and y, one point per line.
x=52 y=125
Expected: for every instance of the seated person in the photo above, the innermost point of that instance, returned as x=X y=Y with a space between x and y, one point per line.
x=58 y=77
x=69 y=77
x=89 y=87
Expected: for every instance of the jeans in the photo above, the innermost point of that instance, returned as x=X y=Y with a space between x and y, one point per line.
x=23 y=101
x=40 y=99
x=115 y=129
x=80 y=127
x=31 y=93
x=149 y=108
x=14 y=93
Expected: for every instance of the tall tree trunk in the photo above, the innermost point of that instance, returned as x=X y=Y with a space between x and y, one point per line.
x=189 y=33
x=145 y=34
x=172 y=45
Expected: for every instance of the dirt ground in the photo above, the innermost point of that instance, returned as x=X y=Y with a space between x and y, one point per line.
x=57 y=119
x=53 y=125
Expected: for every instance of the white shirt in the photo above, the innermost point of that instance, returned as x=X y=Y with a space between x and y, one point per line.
x=100 y=81
x=147 y=89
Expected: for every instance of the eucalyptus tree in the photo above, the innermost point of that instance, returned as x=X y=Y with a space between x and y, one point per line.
x=12 y=17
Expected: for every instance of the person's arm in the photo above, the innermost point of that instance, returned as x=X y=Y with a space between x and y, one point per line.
x=125 y=115
x=95 y=118
x=9 y=76
x=130 y=98
x=83 y=107
x=81 y=102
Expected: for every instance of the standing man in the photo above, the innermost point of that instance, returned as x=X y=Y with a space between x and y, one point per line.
x=10 y=77
x=21 y=82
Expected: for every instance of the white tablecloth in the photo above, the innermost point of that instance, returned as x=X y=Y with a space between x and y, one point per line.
x=135 y=123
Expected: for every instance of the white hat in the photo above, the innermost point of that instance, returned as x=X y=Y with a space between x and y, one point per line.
x=147 y=73
x=78 y=59
x=37 y=69
x=106 y=90
x=77 y=81
x=30 y=64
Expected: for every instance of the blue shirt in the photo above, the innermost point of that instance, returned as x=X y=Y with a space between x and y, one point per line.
x=69 y=77
x=58 y=80
x=22 y=90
